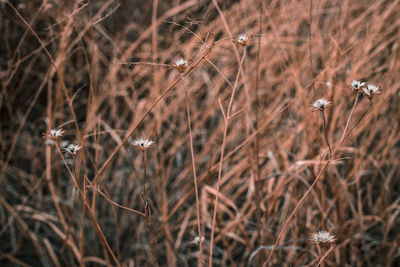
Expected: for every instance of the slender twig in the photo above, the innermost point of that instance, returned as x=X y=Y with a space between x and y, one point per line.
x=150 y=232
x=115 y=203
x=226 y=123
x=321 y=260
x=361 y=118
x=319 y=254
x=144 y=172
x=325 y=132
x=147 y=63
x=257 y=139
x=145 y=201
x=310 y=41
x=82 y=232
x=344 y=135
x=200 y=261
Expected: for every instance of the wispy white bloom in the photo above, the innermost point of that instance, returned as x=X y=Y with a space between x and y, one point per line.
x=371 y=90
x=55 y=133
x=242 y=39
x=357 y=85
x=197 y=240
x=322 y=238
x=321 y=104
x=142 y=144
x=72 y=149
x=181 y=64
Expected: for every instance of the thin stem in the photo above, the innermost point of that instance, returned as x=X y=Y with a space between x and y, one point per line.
x=82 y=232
x=347 y=124
x=146 y=207
x=82 y=239
x=144 y=172
x=361 y=118
x=200 y=262
x=319 y=254
x=321 y=260
x=226 y=123
x=257 y=140
x=116 y=204
x=310 y=41
x=150 y=232
x=326 y=133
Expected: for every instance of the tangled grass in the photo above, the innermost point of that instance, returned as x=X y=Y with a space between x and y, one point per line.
x=242 y=171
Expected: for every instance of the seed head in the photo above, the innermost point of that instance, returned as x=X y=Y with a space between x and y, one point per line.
x=55 y=133
x=142 y=144
x=181 y=64
x=371 y=90
x=72 y=149
x=357 y=85
x=322 y=238
x=321 y=104
x=242 y=39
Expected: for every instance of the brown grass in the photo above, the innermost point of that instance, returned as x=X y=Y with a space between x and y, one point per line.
x=239 y=156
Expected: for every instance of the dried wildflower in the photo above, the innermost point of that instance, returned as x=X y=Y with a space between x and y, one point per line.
x=371 y=90
x=357 y=85
x=242 y=39
x=55 y=133
x=72 y=149
x=197 y=240
x=142 y=143
x=321 y=104
x=322 y=238
x=181 y=64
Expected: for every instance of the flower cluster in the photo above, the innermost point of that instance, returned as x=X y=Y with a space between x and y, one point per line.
x=368 y=89
x=56 y=134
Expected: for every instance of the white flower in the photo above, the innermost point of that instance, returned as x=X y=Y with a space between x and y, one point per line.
x=322 y=238
x=321 y=104
x=142 y=143
x=357 y=85
x=197 y=240
x=55 y=133
x=72 y=149
x=242 y=39
x=371 y=90
x=181 y=64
